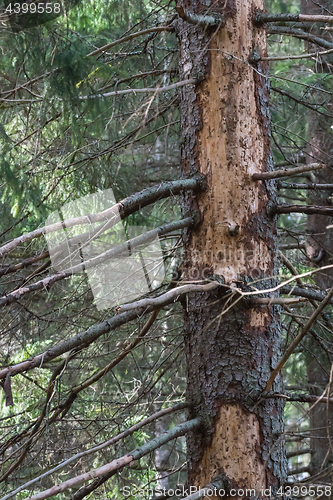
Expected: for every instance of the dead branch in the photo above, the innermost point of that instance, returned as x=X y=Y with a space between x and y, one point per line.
x=286 y=172
x=280 y=30
x=312 y=186
x=156 y=29
x=110 y=442
x=171 y=295
x=292 y=18
x=304 y=209
x=210 y=19
x=298 y=339
x=46 y=283
x=25 y=263
x=304 y=292
x=156 y=90
x=314 y=55
x=124 y=208
x=94 y=332
x=300 y=398
x=280 y=301
x=296 y=453
x=119 y=463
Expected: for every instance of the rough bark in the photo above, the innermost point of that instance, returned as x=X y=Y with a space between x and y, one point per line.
x=226 y=137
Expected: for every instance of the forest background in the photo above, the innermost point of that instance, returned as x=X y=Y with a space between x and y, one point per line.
x=76 y=121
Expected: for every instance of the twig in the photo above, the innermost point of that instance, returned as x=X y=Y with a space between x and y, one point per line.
x=303 y=292
x=296 y=453
x=172 y=294
x=46 y=283
x=279 y=30
x=127 y=38
x=293 y=18
x=125 y=207
x=210 y=19
x=298 y=339
x=302 y=56
x=119 y=463
x=115 y=439
x=304 y=209
x=300 y=398
x=156 y=90
x=312 y=186
x=313 y=107
x=286 y=172
x=94 y=332
x=280 y=301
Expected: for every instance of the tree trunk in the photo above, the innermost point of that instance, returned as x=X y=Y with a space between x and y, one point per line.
x=320 y=242
x=319 y=363
x=230 y=353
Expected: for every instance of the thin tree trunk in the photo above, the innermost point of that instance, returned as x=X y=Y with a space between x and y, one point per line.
x=320 y=247
x=225 y=133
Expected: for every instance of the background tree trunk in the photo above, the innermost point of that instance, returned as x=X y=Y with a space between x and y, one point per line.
x=226 y=137
x=320 y=247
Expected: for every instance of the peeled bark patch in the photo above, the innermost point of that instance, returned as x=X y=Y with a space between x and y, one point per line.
x=236 y=444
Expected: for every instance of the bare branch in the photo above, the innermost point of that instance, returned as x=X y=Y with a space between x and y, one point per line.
x=314 y=55
x=298 y=339
x=286 y=172
x=296 y=453
x=25 y=263
x=312 y=186
x=46 y=283
x=300 y=398
x=280 y=301
x=125 y=207
x=156 y=90
x=115 y=439
x=157 y=29
x=280 y=30
x=209 y=19
x=172 y=294
x=292 y=18
x=94 y=332
x=300 y=470
x=303 y=292
x=112 y=467
x=136 y=76
x=304 y=209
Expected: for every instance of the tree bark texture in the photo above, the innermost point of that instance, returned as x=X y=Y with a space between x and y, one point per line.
x=226 y=137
